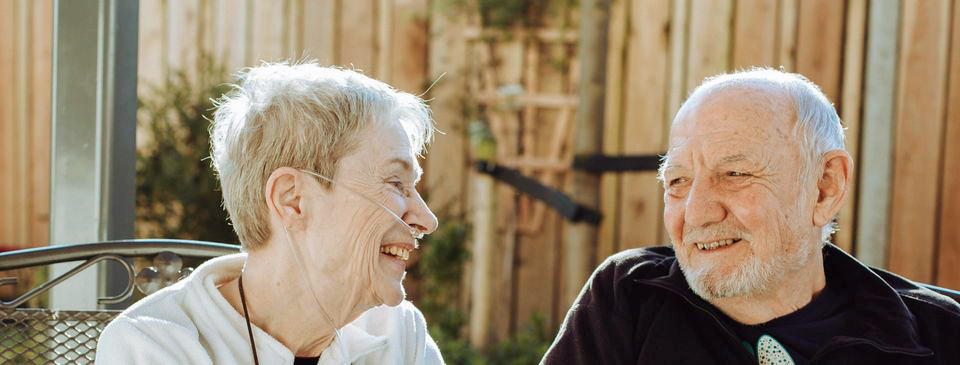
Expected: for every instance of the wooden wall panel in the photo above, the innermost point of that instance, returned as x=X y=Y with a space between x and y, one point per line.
x=876 y=152
x=754 y=33
x=447 y=158
x=787 y=35
x=25 y=53
x=320 y=24
x=230 y=32
x=182 y=28
x=38 y=153
x=8 y=33
x=849 y=109
x=709 y=48
x=408 y=41
x=269 y=33
x=357 y=35
x=645 y=123
x=608 y=234
x=948 y=255
x=820 y=44
x=920 y=107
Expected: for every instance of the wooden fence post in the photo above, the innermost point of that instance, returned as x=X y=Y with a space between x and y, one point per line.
x=581 y=237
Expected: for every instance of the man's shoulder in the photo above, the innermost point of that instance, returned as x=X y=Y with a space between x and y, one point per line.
x=919 y=298
x=639 y=263
x=615 y=281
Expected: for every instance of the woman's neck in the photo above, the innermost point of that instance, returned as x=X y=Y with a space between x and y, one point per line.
x=279 y=303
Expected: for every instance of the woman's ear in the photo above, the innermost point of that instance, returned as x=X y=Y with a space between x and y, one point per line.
x=832 y=186
x=283 y=195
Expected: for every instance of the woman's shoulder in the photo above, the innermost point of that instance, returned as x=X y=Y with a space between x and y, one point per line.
x=404 y=313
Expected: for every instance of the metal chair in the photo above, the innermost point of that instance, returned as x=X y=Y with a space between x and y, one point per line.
x=49 y=336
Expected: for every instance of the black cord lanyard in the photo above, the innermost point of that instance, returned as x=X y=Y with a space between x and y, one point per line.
x=243 y=300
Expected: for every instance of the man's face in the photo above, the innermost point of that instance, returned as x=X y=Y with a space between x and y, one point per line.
x=358 y=242
x=734 y=206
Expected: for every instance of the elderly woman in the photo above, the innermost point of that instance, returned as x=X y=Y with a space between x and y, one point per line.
x=318 y=168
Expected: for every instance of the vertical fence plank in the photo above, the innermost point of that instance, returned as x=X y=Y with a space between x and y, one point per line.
x=645 y=96
x=182 y=25
x=679 y=39
x=876 y=161
x=383 y=40
x=948 y=258
x=41 y=40
x=920 y=109
x=820 y=44
x=607 y=242
x=446 y=160
x=408 y=46
x=7 y=120
x=787 y=35
x=510 y=62
x=151 y=61
x=230 y=30
x=709 y=49
x=754 y=35
x=320 y=25
x=850 y=106
x=21 y=100
x=357 y=35
x=268 y=31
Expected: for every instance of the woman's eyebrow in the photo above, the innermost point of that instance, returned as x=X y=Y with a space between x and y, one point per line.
x=406 y=166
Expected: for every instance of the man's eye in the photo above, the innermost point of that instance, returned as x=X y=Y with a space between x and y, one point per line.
x=737 y=174
x=675 y=181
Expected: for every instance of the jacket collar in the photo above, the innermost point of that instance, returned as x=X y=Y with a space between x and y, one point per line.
x=883 y=319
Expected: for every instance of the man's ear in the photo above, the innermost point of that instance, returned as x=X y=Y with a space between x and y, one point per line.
x=832 y=186
x=283 y=195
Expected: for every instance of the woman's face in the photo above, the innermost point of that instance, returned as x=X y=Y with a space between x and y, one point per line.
x=355 y=241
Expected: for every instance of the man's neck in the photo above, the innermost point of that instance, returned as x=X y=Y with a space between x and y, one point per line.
x=794 y=291
x=278 y=304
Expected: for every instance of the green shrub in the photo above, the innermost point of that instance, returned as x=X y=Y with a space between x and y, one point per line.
x=178 y=195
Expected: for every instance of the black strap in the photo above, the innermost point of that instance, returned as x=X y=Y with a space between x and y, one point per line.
x=243 y=300
x=555 y=199
x=602 y=163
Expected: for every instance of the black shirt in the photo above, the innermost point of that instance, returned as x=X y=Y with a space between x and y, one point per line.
x=638 y=309
x=805 y=331
x=306 y=360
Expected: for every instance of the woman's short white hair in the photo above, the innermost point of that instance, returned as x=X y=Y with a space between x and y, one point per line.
x=297 y=115
x=818 y=128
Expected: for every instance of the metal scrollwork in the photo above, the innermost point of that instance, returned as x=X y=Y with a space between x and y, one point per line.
x=90 y=262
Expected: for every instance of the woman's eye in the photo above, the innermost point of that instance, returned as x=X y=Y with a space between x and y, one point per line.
x=396 y=184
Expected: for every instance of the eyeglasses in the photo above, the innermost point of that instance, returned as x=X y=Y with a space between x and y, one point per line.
x=417 y=234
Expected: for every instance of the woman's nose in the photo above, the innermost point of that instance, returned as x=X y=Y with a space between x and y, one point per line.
x=419 y=216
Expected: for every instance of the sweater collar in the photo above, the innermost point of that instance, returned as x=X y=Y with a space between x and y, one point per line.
x=882 y=317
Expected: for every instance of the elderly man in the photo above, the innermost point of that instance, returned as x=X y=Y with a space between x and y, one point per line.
x=755 y=172
x=318 y=168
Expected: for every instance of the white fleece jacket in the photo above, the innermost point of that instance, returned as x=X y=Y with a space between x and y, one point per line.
x=191 y=323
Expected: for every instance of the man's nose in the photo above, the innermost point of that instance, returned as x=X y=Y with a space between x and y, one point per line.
x=702 y=206
x=419 y=216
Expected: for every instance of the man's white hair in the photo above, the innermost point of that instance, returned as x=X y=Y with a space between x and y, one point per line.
x=302 y=116
x=818 y=128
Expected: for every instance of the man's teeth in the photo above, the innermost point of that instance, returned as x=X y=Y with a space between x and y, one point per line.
x=716 y=244
x=399 y=252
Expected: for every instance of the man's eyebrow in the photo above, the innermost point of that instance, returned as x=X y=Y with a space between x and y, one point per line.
x=733 y=158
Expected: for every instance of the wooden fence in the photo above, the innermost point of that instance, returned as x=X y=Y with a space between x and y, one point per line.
x=891 y=67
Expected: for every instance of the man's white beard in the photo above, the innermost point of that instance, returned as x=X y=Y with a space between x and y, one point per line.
x=751 y=277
